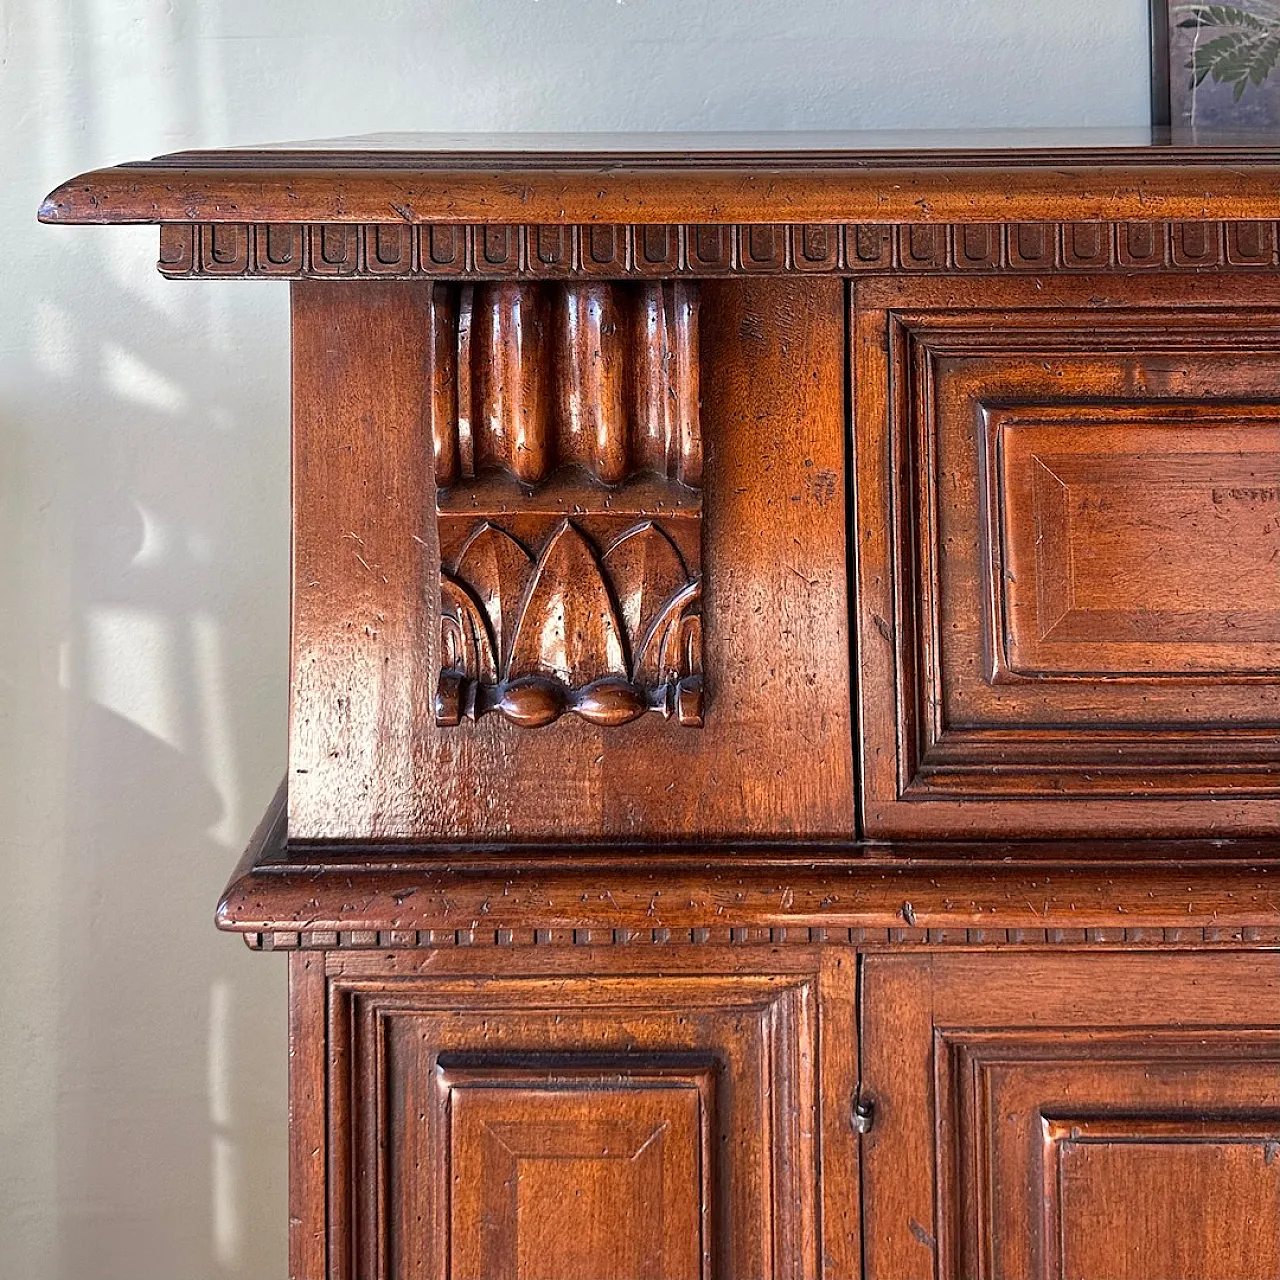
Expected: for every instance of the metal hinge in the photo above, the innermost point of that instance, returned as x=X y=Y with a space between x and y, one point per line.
x=864 y=1112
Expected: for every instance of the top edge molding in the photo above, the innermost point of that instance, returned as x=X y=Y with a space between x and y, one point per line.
x=646 y=187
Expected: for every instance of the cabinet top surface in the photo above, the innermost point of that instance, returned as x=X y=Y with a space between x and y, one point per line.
x=884 y=176
x=794 y=147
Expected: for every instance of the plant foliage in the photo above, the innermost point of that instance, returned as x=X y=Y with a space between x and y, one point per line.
x=1246 y=51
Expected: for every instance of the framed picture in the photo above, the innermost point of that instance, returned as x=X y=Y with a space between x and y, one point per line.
x=1214 y=66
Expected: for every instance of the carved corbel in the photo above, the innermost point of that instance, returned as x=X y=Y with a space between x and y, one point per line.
x=568 y=461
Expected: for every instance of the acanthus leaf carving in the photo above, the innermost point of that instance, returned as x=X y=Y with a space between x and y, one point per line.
x=568 y=628
x=573 y=647
x=496 y=567
x=648 y=575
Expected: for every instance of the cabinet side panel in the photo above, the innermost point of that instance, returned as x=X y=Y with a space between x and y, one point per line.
x=361 y=503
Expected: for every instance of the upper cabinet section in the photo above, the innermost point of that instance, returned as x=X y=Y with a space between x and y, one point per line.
x=1070 y=542
x=592 y=436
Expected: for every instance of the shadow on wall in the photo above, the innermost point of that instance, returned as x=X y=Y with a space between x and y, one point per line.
x=169 y=694
x=143 y=677
x=168 y=1088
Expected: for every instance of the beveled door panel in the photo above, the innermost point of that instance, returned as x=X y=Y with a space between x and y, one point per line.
x=1135 y=540
x=1125 y=1180
x=1073 y=1118
x=602 y=1173
x=1065 y=1113
x=1069 y=522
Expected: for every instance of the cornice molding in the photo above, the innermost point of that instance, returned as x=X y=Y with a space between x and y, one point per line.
x=400 y=250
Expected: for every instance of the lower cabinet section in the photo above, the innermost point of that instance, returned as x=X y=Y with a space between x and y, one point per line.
x=1090 y=1117
x=711 y=1113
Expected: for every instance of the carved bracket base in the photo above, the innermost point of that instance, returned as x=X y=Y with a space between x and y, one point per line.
x=608 y=636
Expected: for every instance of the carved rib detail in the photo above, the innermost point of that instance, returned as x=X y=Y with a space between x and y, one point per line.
x=592 y=345
x=595 y=375
x=510 y=381
x=667 y=389
x=609 y=637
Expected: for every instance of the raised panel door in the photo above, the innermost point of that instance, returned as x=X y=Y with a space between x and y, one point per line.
x=571 y=1123
x=1068 y=522
x=1093 y=1117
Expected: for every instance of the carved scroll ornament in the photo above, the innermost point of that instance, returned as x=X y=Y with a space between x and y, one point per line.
x=568 y=461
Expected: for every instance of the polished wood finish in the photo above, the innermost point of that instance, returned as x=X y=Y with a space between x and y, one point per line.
x=1062 y=893
x=931 y=926
x=1056 y=1118
x=690 y=179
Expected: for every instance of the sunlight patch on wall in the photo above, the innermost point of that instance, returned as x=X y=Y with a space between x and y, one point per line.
x=217 y=745
x=154 y=544
x=225 y=1171
x=130 y=668
x=131 y=378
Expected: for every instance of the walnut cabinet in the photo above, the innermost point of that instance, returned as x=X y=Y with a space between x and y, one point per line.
x=785 y=700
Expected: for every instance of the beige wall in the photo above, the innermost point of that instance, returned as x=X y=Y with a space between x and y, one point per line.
x=144 y=465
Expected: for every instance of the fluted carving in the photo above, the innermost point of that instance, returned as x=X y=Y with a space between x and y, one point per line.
x=534 y=377
x=568 y=460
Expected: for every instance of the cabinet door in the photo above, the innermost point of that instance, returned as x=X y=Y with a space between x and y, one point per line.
x=585 y=1126
x=1092 y=1117
x=1043 y=478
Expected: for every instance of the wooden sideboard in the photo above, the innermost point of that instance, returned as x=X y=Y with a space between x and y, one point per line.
x=785 y=703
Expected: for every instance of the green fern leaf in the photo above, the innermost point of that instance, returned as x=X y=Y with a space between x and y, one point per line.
x=1240 y=57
